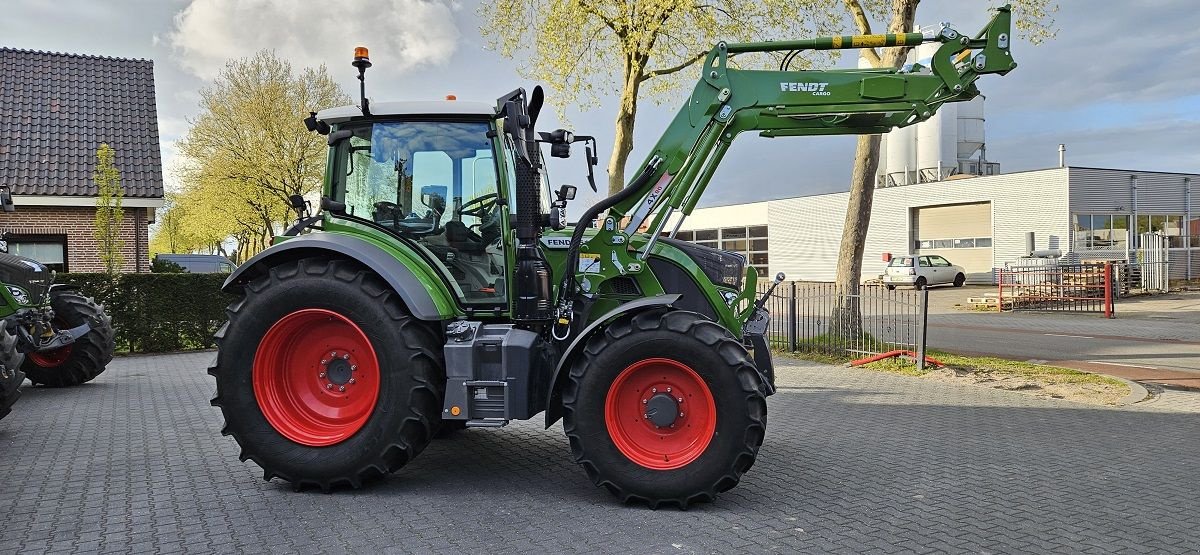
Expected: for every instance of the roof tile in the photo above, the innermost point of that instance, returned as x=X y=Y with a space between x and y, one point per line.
x=58 y=108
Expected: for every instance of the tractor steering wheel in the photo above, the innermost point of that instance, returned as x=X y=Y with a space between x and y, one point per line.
x=480 y=207
x=387 y=211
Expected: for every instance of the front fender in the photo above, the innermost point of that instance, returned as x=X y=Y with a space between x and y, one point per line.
x=416 y=294
x=554 y=399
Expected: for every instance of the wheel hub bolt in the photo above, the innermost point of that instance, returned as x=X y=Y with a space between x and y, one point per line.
x=333 y=354
x=681 y=415
x=680 y=399
x=341 y=388
x=328 y=386
x=346 y=356
x=351 y=380
x=353 y=367
x=644 y=401
x=321 y=375
x=654 y=390
x=668 y=390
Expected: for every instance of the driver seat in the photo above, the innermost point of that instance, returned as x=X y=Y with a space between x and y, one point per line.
x=460 y=237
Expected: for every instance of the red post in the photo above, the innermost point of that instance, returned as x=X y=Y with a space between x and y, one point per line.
x=1108 y=290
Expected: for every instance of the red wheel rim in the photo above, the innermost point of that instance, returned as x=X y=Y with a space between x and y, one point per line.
x=50 y=359
x=663 y=447
x=316 y=377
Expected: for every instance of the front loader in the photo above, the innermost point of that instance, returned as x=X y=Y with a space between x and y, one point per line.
x=441 y=287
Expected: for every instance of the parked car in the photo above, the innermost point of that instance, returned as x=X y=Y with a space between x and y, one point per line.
x=921 y=271
x=199 y=263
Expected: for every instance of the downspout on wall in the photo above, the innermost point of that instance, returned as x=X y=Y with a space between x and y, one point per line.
x=1187 y=219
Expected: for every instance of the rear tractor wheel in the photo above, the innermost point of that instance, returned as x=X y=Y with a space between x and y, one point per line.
x=10 y=372
x=85 y=358
x=665 y=408
x=323 y=376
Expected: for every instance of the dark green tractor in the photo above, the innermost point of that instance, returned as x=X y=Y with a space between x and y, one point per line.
x=442 y=287
x=51 y=334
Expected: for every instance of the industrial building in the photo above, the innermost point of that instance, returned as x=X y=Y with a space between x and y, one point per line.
x=980 y=223
x=937 y=193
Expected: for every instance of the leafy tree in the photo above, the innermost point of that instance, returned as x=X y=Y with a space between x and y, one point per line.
x=586 y=48
x=1032 y=18
x=109 y=214
x=248 y=151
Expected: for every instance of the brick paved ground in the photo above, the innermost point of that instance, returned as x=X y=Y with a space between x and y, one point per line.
x=854 y=461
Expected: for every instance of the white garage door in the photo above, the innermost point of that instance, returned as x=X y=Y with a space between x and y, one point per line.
x=962 y=233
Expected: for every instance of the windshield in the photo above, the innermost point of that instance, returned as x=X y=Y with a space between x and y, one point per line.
x=435 y=184
x=415 y=176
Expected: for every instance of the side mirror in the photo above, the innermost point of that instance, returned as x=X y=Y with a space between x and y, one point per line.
x=434 y=197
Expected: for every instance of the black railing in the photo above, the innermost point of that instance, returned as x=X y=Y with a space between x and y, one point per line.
x=1059 y=288
x=813 y=317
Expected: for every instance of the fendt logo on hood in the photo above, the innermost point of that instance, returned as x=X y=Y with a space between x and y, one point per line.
x=817 y=89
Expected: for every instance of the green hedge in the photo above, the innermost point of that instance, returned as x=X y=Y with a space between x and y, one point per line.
x=155 y=313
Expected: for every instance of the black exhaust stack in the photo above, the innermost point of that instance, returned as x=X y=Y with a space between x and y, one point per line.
x=533 y=301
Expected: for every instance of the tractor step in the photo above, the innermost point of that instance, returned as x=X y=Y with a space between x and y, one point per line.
x=487 y=423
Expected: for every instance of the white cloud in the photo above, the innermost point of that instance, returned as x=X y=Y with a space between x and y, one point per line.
x=401 y=33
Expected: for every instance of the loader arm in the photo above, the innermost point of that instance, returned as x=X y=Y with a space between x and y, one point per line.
x=728 y=101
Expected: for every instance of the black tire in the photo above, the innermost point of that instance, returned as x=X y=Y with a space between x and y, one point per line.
x=87 y=357
x=411 y=377
x=730 y=376
x=11 y=376
x=919 y=284
x=960 y=280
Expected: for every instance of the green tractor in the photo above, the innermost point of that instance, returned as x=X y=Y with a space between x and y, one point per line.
x=441 y=286
x=51 y=333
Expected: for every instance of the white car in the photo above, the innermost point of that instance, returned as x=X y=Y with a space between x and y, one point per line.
x=923 y=270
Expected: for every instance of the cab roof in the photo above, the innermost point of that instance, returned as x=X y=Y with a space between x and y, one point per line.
x=408 y=108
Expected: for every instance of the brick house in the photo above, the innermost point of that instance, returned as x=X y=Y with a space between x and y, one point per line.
x=55 y=111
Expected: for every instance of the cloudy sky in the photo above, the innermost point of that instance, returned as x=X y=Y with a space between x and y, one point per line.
x=1118 y=85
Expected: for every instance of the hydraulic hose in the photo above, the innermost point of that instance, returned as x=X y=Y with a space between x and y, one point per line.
x=567 y=286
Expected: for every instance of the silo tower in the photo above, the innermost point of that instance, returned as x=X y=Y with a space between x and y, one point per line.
x=949 y=143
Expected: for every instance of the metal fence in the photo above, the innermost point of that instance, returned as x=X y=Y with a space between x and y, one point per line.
x=1152 y=261
x=1058 y=288
x=812 y=317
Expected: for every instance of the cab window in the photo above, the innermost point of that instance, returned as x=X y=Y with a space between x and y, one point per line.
x=434 y=183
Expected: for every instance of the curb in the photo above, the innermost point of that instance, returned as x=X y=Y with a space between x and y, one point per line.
x=1137 y=393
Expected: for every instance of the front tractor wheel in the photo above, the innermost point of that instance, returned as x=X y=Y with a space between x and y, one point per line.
x=85 y=358
x=665 y=408
x=323 y=376
x=10 y=372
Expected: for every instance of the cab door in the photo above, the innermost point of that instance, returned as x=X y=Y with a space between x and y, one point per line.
x=434 y=184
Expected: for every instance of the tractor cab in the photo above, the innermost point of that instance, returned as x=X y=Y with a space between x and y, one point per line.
x=428 y=172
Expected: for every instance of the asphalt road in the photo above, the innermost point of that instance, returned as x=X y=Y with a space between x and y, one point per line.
x=1152 y=336
x=854 y=461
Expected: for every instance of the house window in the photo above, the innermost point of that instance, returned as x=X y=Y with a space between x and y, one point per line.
x=50 y=250
x=1101 y=231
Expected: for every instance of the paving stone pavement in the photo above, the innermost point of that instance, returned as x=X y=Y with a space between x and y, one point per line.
x=854 y=461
